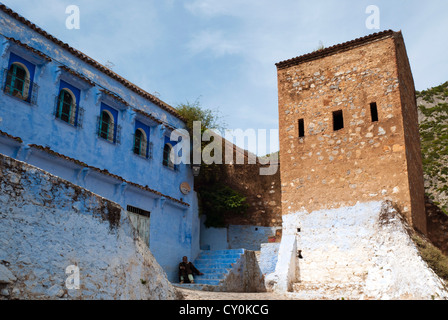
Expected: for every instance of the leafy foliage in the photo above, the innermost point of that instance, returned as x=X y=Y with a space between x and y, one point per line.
x=210 y=119
x=434 y=142
x=220 y=200
x=320 y=47
x=216 y=199
x=439 y=91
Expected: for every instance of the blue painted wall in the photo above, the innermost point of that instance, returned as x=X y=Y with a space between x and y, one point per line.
x=174 y=228
x=235 y=237
x=268 y=257
x=249 y=237
x=213 y=238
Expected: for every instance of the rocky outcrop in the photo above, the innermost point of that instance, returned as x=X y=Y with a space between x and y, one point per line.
x=437 y=226
x=58 y=240
x=433 y=120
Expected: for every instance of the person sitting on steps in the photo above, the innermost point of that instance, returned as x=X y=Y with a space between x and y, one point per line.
x=186 y=270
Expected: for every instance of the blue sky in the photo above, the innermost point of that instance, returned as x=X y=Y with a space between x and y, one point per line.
x=224 y=51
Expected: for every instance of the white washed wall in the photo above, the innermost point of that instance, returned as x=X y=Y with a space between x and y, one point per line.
x=48 y=224
x=367 y=245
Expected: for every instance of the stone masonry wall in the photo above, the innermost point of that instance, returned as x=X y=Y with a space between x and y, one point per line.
x=48 y=224
x=412 y=137
x=262 y=194
x=365 y=160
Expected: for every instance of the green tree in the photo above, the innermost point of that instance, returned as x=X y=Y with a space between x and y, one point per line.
x=210 y=119
x=219 y=200
x=216 y=199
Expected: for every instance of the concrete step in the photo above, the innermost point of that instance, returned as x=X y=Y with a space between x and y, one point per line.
x=215 y=265
x=215 y=261
x=219 y=256
x=197 y=286
x=215 y=270
x=226 y=251
x=212 y=275
x=213 y=282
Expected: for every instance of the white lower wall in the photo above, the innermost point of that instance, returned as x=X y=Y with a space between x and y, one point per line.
x=367 y=244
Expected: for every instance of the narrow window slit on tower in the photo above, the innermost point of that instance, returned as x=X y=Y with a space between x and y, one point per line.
x=374 y=111
x=301 y=128
x=338 y=120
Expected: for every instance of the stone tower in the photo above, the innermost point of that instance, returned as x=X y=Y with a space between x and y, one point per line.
x=349 y=128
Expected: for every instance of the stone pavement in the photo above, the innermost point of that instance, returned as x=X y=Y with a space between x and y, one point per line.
x=207 y=295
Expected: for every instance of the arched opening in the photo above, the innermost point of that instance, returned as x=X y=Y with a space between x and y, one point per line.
x=107 y=126
x=66 y=109
x=140 y=142
x=167 y=161
x=18 y=81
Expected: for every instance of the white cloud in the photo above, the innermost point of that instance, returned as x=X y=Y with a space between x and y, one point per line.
x=211 y=8
x=214 y=41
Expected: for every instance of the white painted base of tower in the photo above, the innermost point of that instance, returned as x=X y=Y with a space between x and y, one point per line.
x=367 y=245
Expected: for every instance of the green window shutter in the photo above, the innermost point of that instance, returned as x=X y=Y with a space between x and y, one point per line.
x=16 y=81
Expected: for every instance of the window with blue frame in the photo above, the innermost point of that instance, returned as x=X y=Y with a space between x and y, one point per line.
x=141 y=140
x=168 y=150
x=108 y=128
x=19 y=79
x=67 y=108
x=167 y=159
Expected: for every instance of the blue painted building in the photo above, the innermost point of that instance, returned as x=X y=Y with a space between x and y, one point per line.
x=64 y=112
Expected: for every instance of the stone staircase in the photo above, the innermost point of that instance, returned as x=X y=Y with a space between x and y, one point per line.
x=215 y=266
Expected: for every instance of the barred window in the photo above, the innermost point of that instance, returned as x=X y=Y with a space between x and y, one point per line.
x=106 y=126
x=66 y=107
x=167 y=161
x=18 y=81
x=140 y=143
x=138 y=211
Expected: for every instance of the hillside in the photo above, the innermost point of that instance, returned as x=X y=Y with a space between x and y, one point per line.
x=433 y=119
